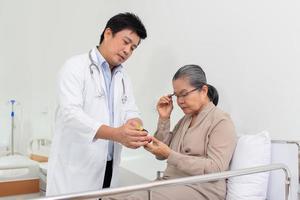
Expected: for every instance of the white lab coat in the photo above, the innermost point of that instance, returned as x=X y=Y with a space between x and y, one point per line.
x=77 y=161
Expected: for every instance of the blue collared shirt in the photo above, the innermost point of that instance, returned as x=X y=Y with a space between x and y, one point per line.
x=109 y=85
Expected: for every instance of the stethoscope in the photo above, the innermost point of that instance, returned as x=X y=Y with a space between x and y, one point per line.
x=101 y=91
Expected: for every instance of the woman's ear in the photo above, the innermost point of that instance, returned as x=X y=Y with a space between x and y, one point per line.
x=204 y=89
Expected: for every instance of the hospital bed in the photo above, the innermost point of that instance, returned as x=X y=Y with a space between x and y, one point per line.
x=286 y=152
x=282 y=183
x=23 y=177
x=18 y=176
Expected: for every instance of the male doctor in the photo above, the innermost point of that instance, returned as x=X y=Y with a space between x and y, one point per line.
x=96 y=112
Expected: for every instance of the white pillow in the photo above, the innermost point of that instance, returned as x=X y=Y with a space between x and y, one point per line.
x=251 y=151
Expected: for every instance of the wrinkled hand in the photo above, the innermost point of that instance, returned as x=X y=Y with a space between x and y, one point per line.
x=158 y=148
x=131 y=137
x=165 y=106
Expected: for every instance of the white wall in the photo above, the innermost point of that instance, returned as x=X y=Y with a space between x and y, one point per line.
x=250 y=51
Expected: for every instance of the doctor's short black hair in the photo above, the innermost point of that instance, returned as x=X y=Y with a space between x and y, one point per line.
x=123 y=21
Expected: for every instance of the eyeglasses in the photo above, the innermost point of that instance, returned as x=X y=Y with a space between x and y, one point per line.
x=183 y=95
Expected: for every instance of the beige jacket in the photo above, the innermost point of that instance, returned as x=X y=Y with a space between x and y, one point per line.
x=204 y=148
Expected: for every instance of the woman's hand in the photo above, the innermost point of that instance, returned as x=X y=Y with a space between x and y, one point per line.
x=158 y=148
x=165 y=107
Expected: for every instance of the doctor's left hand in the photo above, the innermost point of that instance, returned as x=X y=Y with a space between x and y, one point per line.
x=131 y=137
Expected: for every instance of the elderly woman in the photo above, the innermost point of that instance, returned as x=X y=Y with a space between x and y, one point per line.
x=202 y=142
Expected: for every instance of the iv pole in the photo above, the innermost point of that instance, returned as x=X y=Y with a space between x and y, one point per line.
x=12 y=114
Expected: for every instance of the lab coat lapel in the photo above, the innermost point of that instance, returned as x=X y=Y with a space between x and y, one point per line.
x=118 y=90
x=118 y=112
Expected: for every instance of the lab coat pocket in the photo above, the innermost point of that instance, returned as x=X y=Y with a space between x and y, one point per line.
x=84 y=156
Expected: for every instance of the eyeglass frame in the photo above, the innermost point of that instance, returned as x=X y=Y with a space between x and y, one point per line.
x=185 y=94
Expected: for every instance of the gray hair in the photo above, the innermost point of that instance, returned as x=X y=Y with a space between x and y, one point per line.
x=197 y=78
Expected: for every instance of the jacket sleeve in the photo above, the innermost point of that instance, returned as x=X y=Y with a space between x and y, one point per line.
x=164 y=134
x=221 y=145
x=74 y=120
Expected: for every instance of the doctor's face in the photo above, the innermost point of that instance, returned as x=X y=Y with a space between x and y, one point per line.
x=118 y=47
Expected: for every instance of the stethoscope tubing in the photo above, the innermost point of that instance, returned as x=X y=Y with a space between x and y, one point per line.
x=101 y=93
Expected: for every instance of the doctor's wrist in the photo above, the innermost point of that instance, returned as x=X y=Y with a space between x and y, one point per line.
x=108 y=133
x=116 y=134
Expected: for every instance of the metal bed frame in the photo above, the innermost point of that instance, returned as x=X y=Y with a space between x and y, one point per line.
x=180 y=181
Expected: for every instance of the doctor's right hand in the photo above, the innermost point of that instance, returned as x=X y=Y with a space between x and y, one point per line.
x=165 y=106
x=131 y=137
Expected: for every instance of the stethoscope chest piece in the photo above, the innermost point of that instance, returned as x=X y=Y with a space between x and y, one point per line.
x=124 y=98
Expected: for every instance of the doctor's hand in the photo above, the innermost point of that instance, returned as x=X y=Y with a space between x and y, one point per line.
x=158 y=148
x=165 y=106
x=131 y=137
x=136 y=122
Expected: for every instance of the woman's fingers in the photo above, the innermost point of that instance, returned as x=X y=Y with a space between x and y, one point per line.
x=135 y=145
x=149 y=147
x=165 y=100
x=155 y=141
